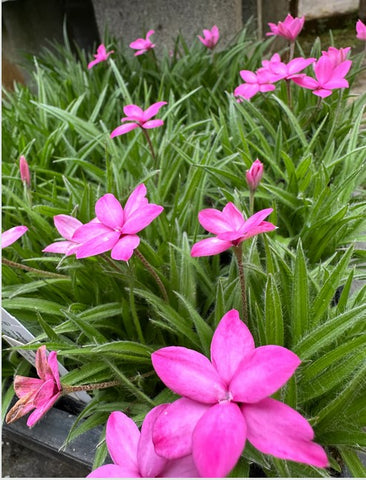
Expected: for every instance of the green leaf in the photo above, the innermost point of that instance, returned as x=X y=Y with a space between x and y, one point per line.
x=300 y=297
x=273 y=313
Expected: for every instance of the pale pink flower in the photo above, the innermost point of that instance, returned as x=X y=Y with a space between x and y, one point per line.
x=138 y=118
x=361 y=30
x=260 y=81
x=10 y=236
x=283 y=71
x=336 y=55
x=133 y=452
x=143 y=45
x=100 y=56
x=66 y=226
x=210 y=37
x=38 y=394
x=289 y=28
x=226 y=402
x=24 y=171
x=254 y=175
x=328 y=76
x=230 y=229
x=115 y=227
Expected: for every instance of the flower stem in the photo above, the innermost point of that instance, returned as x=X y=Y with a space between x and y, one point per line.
x=292 y=50
x=154 y=274
x=289 y=98
x=150 y=145
x=251 y=202
x=5 y=261
x=238 y=250
x=91 y=386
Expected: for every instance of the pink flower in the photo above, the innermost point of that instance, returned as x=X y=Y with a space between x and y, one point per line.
x=230 y=229
x=10 y=236
x=210 y=37
x=37 y=393
x=115 y=227
x=289 y=28
x=285 y=71
x=143 y=45
x=336 y=55
x=100 y=56
x=328 y=76
x=226 y=402
x=24 y=171
x=254 y=175
x=66 y=226
x=261 y=81
x=361 y=30
x=133 y=452
x=138 y=118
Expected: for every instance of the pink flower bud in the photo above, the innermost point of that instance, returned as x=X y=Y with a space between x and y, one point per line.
x=254 y=175
x=24 y=171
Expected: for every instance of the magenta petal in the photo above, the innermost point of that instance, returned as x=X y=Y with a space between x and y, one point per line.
x=44 y=393
x=172 y=433
x=114 y=471
x=150 y=464
x=233 y=216
x=231 y=343
x=137 y=44
x=152 y=110
x=189 y=374
x=90 y=231
x=93 y=62
x=209 y=246
x=276 y=429
x=123 y=249
x=136 y=200
x=153 y=124
x=122 y=437
x=100 y=244
x=109 y=211
x=181 y=468
x=263 y=373
x=10 y=236
x=127 y=127
x=66 y=225
x=60 y=247
x=218 y=440
x=323 y=93
x=39 y=412
x=141 y=218
x=248 y=76
x=25 y=385
x=214 y=221
x=41 y=362
x=134 y=111
x=53 y=365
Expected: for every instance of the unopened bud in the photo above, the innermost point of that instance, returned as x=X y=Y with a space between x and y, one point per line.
x=24 y=171
x=254 y=175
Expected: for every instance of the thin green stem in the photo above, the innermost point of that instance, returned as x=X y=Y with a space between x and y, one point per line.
x=150 y=145
x=44 y=273
x=135 y=318
x=66 y=389
x=289 y=97
x=251 y=202
x=238 y=250
x=292 y=50
x=154 y=274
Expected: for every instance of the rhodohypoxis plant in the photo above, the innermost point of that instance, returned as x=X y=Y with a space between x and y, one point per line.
x=260 y=81
x=138 y=118
x=210 y=37
x=336 y=55
x=289 y=29
x=24 y=171
x=66 y=225
x=101 y=56
x=133 y=452
x=143 y=45
x=360 y=30
x=10 y=236
x=226 y=402
x=253 y=177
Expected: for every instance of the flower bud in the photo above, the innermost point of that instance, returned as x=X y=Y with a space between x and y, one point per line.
x=24 y=171
x=254 y=175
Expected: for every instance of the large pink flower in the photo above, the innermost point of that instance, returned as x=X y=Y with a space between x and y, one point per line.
x=40 y=393
x=133 y=453
x=226 y=401
x=143 y=45
x=66 y=225
x=289 y=28
x=329 y=76
x=281 y=70
x=100 y=56
x=210 y=37
x=360 y=30
x=115 y=227
x=260 y=81
x=139 y=118
x=230 y=229
x=10 y=236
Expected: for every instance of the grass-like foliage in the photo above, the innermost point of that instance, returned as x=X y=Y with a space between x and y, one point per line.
x=106 y=317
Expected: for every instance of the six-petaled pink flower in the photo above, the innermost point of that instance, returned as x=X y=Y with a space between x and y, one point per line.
x=10 y=236
x=226 y=402
x=115 y=227
x=139 y=118
x=254 y=175
x=361 y=30
x=100 y=56
x=285 y=71
x=210 y=37
x=289 y=28
x=260 y=81
x=143 y=45
x=38 y=394
x=133 y=452
x=328 y=76
x=230 y=229
x=66 y=225
x=24 y=171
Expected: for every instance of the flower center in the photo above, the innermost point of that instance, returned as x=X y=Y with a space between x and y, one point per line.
x=227 y=398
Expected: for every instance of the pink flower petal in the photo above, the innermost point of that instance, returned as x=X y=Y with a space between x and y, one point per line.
x=153 y=124
x=10 y=236
x=98 y=245
x=141 y=52
x=233 y=216
x=323 y=93
x=152 y=110
x=53 y=365
x=218 y=440
x=248 y=76
x=246 y=90
x=89 y=231
x=114 y=471
x=172 y=432
x=63 y=247
x=123 y=249
x=214 y=221
x=93 y=62
x=42 y=410
x=136 y=200
x=231 y=343
x=122 y=437
x=263 y=373
x=25 y=385
x=41 y=363
x=210 y=246
x=180 y=468
x=134 y=112
x=66 y=225
x=127 y=127
x=141 y=218
x=109 y=211
x=188 y=373
x=44 y=393
x=276 y=429
x=138 y=44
